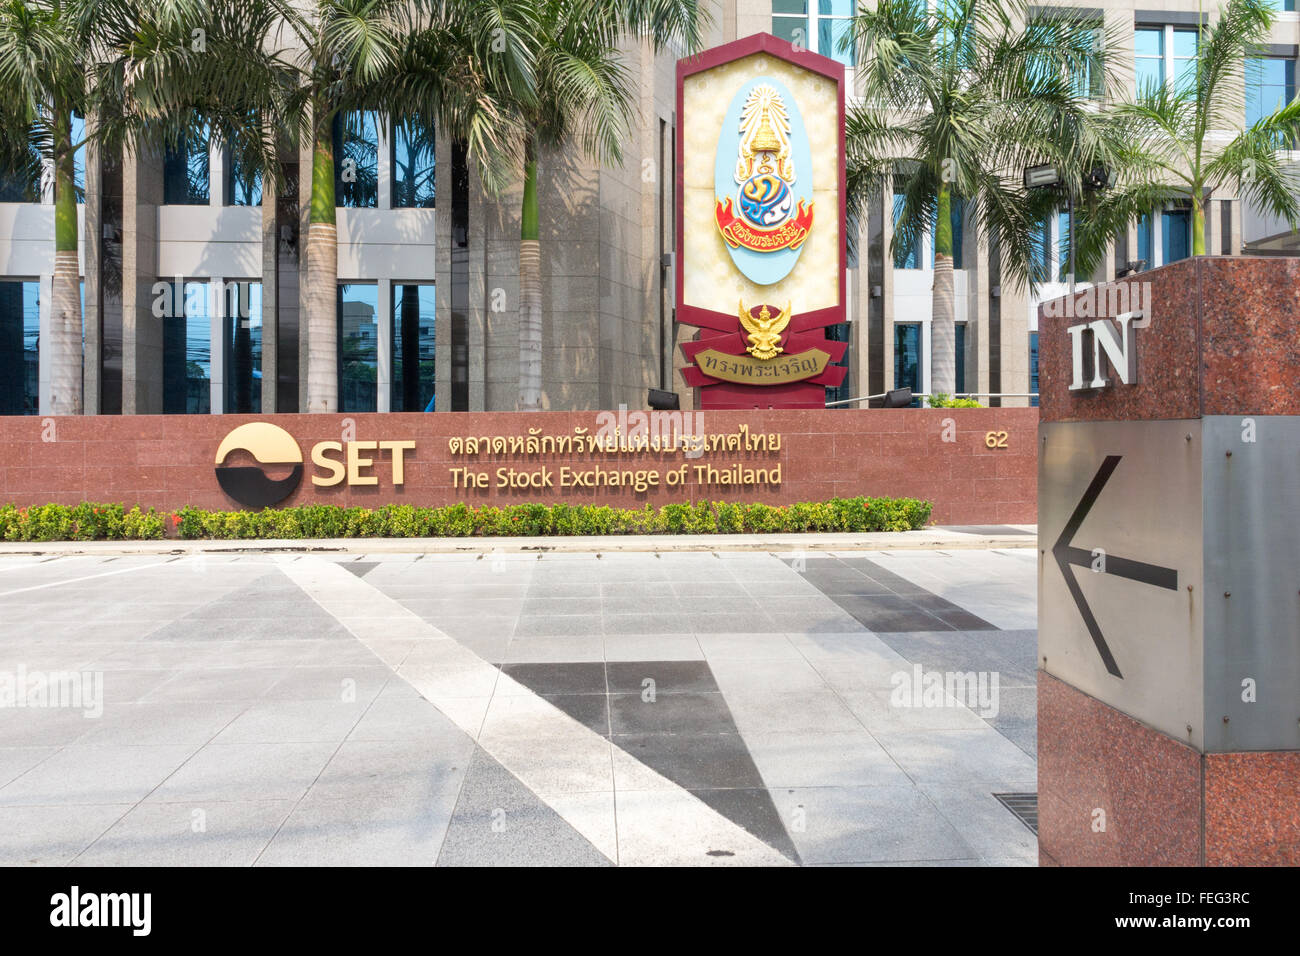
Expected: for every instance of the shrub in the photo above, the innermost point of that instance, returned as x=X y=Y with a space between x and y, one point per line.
x=106 y=522
x=944 y=400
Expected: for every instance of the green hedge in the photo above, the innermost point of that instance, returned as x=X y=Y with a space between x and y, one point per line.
x=96 y=522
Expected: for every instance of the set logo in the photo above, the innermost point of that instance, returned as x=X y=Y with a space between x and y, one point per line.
x=271 y=446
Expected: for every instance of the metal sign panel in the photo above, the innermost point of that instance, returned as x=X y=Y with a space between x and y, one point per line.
x=1120 y=567
x=1252 y=604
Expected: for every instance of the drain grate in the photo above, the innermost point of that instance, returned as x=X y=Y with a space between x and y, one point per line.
x=1024 y=806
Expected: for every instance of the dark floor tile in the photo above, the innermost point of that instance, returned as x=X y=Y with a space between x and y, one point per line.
x=963 y=620
x=890 y=613
x=360 y=568
x=694 y=761
x=755 y=812
x=560 y=678
x=670 y=677
x=590 y=710
x=670 y=714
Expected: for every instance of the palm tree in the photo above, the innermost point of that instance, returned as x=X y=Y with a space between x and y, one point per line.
x=955 y=103
x=581 y=95
x=142 y=75
x=42 y=73
x=1168 y=130
x=421 y=60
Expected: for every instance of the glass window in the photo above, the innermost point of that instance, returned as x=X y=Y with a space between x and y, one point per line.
x=907 y=357
x=1033 y=368
x=1149 y=58
x=1089 y=78
x=839 y=333
x=1184 y=64
x=356 y=159
x=413 y=339
x=185 y=172
x=414 y=165
x=960 y=356
x=1041 y=264
x=79 y=156
x=906 y=256
x=358 y=312
x=815 y=25
x=243 y=186
x=1063 y=246
x=1176 y=235
x=20 y=341
x=187 y=350
x=1270 y=84
x=1144 y=242
x=242 y=342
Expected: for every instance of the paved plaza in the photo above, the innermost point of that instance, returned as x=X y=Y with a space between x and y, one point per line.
x=696 y=708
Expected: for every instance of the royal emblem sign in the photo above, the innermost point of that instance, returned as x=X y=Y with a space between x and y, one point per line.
x=760 y=223
x=765 y=207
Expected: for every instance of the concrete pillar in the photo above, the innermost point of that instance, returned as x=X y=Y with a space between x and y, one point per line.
x=142 y=330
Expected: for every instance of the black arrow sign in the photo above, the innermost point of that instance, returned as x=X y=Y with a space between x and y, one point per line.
x=1067 y=555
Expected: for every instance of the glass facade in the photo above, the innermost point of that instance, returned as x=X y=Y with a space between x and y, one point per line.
x=907 y=356
x=187 y=350
x=358 y=316
x=20 y=333
x=816 y=25
x=414 y=166
x=413 y=348
x=242 y=348
x=186 y=172
x=356 y=159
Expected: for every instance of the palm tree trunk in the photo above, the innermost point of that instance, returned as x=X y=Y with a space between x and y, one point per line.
x=322 y=276
x=64 y=338
x=1198 y=226
x=530 y=292
x=943 y=329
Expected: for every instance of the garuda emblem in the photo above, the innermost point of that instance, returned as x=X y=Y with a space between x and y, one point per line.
x=764 y=331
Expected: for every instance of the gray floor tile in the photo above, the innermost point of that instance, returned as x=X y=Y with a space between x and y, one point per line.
x=867 y=824
x=499 y=822
x=179 y=834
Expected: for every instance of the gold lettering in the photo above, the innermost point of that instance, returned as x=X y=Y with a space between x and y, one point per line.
x=399 y=450
x=337 y=471
x=356 y=463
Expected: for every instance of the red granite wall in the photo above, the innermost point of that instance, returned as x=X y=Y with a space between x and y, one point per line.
x=1221 y=341
x=167 y=461
x=1165 y=803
